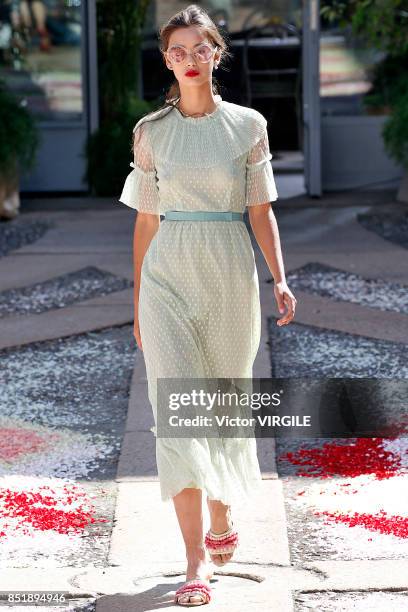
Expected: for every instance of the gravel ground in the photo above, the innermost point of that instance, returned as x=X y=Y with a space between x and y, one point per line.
x=77 y=387
x=61 y=291
x=64 y=407
x=302 y=350
x=352 y=506
x=390 y=224
x=18 y=233
x=341 y=286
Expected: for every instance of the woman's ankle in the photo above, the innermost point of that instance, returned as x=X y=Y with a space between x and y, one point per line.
x=220 y=518
x=196 y=553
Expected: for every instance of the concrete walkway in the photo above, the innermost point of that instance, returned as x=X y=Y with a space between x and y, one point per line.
x=145 y=561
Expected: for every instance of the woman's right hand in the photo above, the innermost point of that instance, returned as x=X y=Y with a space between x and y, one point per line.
x=136 y=333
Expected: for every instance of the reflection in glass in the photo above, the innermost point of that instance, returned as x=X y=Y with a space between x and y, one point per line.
x=233 y=15
x=40 y=56
x=346 y=71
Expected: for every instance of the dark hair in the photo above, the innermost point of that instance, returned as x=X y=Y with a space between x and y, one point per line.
x=193 y=15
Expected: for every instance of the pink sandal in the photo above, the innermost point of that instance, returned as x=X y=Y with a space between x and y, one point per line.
x=222 y=543
x=194 y=587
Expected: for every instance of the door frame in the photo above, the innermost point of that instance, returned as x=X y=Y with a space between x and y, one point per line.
x=311 y=97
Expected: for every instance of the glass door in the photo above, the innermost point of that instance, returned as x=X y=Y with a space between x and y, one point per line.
x=43 y=60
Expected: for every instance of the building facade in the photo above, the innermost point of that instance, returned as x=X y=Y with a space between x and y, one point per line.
x=314 y=79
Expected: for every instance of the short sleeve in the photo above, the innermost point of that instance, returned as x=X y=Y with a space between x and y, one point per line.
x=260 y=182
x=140 y=190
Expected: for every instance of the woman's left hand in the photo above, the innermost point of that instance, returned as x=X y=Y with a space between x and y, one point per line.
x=284 y=297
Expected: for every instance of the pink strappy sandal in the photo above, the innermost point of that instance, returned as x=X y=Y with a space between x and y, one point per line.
x=193 y=587
x=222 y=543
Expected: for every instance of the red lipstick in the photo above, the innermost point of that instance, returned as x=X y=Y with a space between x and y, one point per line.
x=192 y=73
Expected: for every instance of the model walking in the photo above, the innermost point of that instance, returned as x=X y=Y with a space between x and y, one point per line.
x=199 y=160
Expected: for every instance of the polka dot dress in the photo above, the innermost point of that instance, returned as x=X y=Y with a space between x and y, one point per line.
x=199 y=308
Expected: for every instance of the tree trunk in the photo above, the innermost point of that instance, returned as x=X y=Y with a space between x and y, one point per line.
x=9 y=197
x=402 y=195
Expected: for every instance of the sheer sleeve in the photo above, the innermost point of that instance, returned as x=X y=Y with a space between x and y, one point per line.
x=140 y=190
x=260 y=182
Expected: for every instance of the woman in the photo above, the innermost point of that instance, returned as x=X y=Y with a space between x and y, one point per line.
x=197 y=309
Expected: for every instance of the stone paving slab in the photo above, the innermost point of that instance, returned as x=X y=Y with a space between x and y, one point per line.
x=374 y=263
x=89 y=315
x=359 y=574
x=19 y=270
x=89 y=231
x=319 y=576
x=332 y=232
x=72 y=604
x=136 y=539
x=228 y=593
x=353 y=600
x=241 y=587
x=323 y=313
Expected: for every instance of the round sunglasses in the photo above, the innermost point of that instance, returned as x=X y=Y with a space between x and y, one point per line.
x=203 y=54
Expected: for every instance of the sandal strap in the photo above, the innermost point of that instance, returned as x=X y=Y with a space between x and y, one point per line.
x=216 y=536
x=194 y=587
x=221 y=539
x=196 y=582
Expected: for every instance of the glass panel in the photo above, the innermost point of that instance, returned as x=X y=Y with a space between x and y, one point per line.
x=264 y=71
x=346 y=70
x=40 y=56
x=235 y=15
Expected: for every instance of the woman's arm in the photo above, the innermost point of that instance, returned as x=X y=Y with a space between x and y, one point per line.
x=141 y=192
x=260 y=192
x=146 y=226
x=265 y=228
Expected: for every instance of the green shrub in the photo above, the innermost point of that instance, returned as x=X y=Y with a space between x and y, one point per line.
x=109 y=150
x=19 y=135
x=384 y=26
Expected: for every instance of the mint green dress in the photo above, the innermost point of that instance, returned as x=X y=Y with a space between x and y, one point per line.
x=199 y=307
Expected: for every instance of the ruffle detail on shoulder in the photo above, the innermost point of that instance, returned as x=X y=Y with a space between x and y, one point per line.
x=260 y=185
x=208 y=141
x=140 y=191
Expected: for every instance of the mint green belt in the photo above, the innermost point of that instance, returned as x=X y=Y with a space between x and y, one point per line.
x=203 y=215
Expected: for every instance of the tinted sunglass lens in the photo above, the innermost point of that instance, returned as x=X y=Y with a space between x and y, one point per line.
x=177 y=55
x=203 y=54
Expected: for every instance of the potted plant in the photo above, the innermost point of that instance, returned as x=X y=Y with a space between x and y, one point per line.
x=19 y=139
x=385 y=26
x=108 y=149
